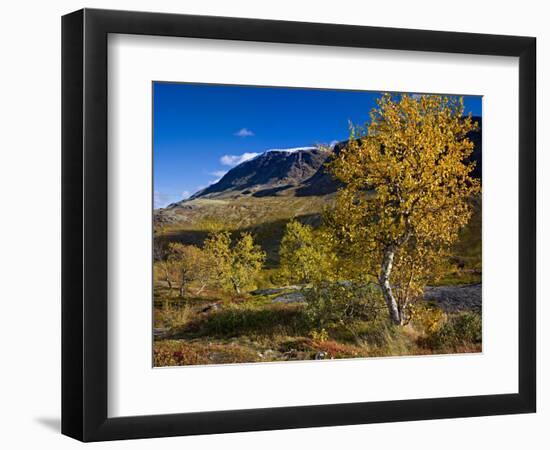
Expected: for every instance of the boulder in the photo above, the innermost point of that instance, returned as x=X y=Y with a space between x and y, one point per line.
x=290 y=297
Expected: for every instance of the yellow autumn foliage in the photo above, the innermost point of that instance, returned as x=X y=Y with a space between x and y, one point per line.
x=407 y=193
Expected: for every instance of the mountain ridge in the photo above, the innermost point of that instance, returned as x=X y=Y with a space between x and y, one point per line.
x=267 y=174
x=298 y=172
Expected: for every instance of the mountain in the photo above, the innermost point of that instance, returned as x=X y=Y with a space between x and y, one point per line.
x=299 y=172
x=269 y=174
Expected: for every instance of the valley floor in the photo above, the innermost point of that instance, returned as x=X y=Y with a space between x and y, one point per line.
x=272 y=326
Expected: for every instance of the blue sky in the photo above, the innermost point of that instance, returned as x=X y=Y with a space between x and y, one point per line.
x=201 y=131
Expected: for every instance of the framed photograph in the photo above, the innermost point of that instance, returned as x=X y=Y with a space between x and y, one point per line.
x=273 y=225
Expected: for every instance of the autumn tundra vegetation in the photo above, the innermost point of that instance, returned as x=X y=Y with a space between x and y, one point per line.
x=275 y=278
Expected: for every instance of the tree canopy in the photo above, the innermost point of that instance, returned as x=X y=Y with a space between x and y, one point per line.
x=236 y=266
x=305 y=256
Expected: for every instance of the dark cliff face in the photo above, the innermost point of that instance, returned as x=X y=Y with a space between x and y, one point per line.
x=322 y=182
x=299 y=172
x=475 y=137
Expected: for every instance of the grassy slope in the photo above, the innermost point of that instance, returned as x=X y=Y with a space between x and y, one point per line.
x=266 y=218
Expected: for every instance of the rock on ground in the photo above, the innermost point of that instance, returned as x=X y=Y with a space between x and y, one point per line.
x=455 y=298
x=448 y=298
x=271 y=291
x=291 y=297
x=159 y=332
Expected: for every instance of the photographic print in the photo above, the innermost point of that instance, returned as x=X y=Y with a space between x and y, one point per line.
x=314 y=224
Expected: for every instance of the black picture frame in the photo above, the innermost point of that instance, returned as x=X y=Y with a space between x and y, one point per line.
x=84 y=224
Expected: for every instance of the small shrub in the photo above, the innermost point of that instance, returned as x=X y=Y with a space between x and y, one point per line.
x=378 y=332
x=240 y=320
x=320 y=336
x=336 y=350
x=179 y=353
x=341 y=303
x=173 y=315
x=304 y=348
x=427 y=318
x=298 y=344
x=463 y=329
x=468 y=327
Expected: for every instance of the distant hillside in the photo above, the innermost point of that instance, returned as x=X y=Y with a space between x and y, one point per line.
x=264 y=217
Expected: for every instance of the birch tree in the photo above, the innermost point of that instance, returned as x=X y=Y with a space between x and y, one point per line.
x=234 y=266
x=407 y=193
x=305 y=256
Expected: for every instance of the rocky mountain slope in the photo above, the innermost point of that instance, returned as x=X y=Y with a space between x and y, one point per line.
x=268 y=174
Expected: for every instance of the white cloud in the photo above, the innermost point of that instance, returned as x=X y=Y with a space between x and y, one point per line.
x=218 y=173
x=244 y=132
x=233 y=160
x=185 y=194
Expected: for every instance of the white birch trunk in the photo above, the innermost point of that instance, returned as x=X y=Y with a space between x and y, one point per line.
x=387 y=292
